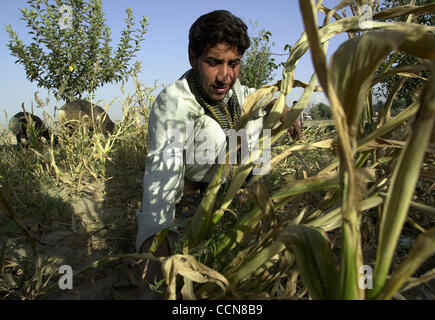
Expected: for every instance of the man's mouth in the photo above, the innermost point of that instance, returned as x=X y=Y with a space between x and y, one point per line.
x=220 y=90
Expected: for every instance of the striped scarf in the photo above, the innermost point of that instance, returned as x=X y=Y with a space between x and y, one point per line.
x=225 y=112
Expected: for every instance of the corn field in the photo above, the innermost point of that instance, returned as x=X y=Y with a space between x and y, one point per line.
x=278 y=247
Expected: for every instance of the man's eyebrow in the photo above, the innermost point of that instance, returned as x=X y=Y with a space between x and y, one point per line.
x=235 y=60
x=217 y=60
x=214 y=59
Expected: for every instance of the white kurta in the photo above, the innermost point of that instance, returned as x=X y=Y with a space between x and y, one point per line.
x=177 y=126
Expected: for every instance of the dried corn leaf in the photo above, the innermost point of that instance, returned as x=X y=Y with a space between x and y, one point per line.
x=404 y=10
x=261 y=197
x=188 y=267
x=325 y=144
x=296 y=110
x=408 y=69
x=250 y=104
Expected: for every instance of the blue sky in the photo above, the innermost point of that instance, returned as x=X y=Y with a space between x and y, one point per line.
x=164 y=51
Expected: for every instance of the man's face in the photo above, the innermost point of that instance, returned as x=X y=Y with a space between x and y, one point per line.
x=218 y=69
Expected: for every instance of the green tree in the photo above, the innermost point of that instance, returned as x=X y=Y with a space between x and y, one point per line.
x=320 y=112
x=401 y=59
x=257 y=65
x=71 y=52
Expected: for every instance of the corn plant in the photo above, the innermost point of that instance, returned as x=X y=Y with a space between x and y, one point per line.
x=252 y=263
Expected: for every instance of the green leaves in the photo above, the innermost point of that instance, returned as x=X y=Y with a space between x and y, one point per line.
x=423 y=249
x=202 y=219
x=315 y=260
x=402 y=185
x=353 y=67
x=346 y=82
x=257 y=64
x=85 y=46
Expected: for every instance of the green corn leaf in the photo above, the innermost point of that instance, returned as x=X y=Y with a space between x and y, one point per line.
x=319 y=182
x=253 y=261
x=423 y=249
x=315 y=260
x=237 y=233
x=389 y=126
x=402 y=186
x=352 y=73
x=202 y=218
x=333 y=219
x=240 y=175
x=246 y=224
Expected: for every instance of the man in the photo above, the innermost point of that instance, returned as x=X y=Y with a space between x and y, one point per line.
x=205 y=101
x=295 y=131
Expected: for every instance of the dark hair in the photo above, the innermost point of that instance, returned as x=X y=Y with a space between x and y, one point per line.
x=216 y=27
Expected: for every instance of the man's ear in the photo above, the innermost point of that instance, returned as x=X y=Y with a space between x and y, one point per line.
x=192 y=58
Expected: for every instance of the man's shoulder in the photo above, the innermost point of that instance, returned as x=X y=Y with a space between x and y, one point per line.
x=176 y=101
x=175 y=93
x=242 y=91
x=177 y=88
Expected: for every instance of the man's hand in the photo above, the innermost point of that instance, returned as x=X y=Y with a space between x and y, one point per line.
x=295 y=130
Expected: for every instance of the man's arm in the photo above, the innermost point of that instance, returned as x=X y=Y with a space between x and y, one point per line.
x=164 y=170
x=295 y=129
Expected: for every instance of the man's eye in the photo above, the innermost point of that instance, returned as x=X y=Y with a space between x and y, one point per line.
x=234 y=64
x=212 y=63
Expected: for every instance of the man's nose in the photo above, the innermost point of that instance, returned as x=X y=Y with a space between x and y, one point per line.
x=222 y=73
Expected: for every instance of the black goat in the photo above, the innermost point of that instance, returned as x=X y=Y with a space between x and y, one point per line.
x=19 y=124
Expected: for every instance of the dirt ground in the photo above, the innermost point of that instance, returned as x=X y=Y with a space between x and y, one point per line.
x=95 y=234
x=86 y=240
